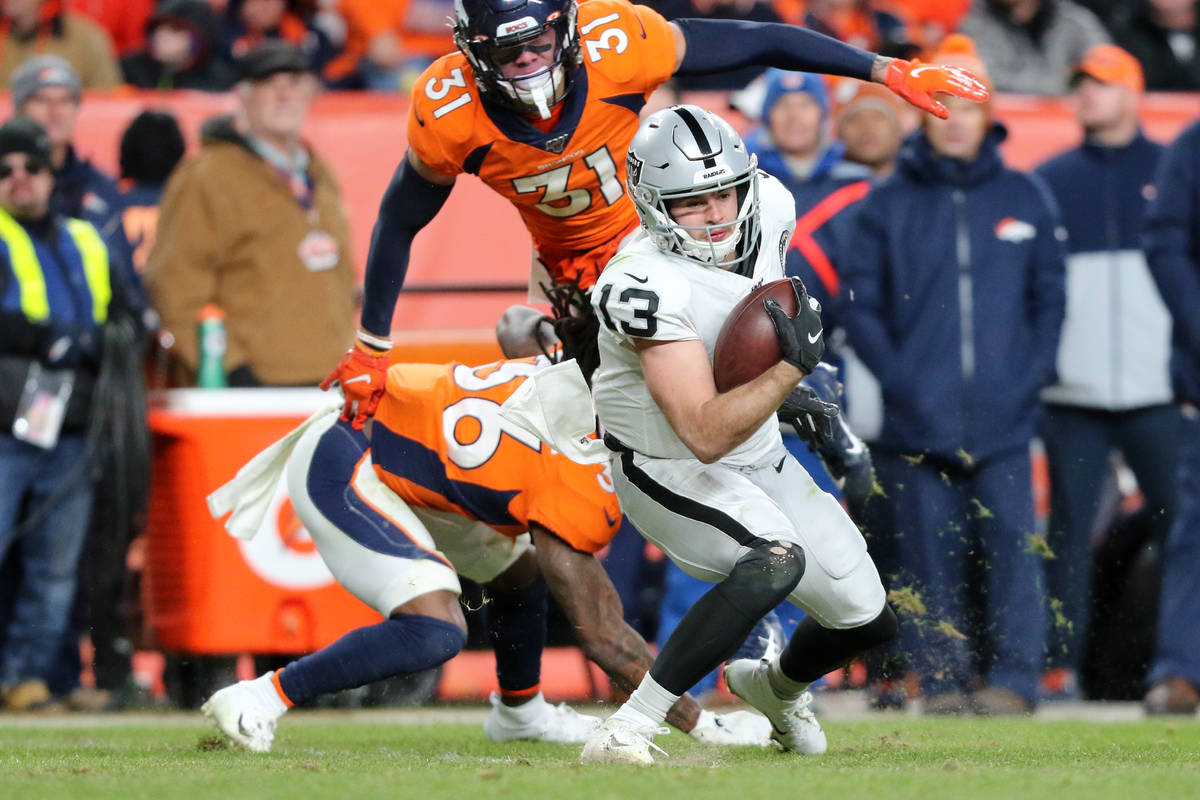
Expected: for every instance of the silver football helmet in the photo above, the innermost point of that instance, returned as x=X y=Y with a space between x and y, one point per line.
x=684 y=151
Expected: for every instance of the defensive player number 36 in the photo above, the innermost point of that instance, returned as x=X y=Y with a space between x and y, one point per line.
x=642 y=304
x=473 y=427
x=558 y=200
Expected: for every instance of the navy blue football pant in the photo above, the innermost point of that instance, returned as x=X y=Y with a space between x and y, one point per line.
x=1178 y=650
x=1078 y=442
x=963 y=545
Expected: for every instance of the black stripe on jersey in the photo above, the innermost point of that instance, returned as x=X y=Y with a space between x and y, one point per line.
x=474 y=161
x=685 y=506
x=634 y=102
x=697 y=132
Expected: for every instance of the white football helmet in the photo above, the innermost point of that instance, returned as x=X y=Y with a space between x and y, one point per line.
x=685 y=151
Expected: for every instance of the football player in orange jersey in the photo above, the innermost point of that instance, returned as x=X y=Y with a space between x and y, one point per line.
x=440 y=485
x=541 y=103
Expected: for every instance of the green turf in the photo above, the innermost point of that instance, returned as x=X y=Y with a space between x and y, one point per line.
x=891 y=757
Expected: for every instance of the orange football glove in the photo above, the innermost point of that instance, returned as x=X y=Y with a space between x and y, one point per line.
x=362 y=374
x=915 y=82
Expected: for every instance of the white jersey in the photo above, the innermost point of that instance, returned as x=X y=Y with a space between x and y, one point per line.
x=645 y=293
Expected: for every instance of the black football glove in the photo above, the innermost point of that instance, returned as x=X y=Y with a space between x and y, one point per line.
x=801 y=338
x=811 y=416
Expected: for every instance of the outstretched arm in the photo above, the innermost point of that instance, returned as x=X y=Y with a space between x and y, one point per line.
x=588 y=598
x=412 y=199
x=705 y=46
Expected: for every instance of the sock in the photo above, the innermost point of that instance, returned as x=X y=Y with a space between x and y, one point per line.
x=399 y=645
x=782 y=685
x=527 y=712
x=516 y=625
x=648 y=705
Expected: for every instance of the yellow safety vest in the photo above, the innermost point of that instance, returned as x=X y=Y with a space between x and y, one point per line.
x=31 y=280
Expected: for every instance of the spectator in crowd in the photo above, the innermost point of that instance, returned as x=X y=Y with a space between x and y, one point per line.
x=151 y=147
x=181 y=50
x=47 y=90
x=1113 y=390
x=861 y=23
x=1172 y=245
x=929 y=21
x=248 y=22
x=125 y=20
x=1164 y=36
x=870 y=124
x=56 y=293
x=1030 y=46
x=954 y=300
x=255 y=224
x=390 y=42
x=752 y=10
x=793 y=143
x=35 y=27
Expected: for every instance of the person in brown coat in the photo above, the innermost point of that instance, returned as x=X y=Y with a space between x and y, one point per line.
x=255 y=224
x=40 y=27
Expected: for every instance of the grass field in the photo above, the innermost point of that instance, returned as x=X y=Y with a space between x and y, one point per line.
x=323 y=755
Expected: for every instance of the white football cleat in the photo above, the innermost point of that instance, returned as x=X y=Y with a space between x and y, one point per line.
x=538 y=720
x=732 y=729
x=241 y=714
x=619 y=742
x=794 y=725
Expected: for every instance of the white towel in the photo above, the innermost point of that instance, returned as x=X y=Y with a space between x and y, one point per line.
x=556 y=406
x=249 y=494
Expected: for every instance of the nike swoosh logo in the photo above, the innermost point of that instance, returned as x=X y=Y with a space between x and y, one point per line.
x=609 y=519
x=357 y=379
x=812 y=337
x=242 y=728
x=636 y=278
x=918 y=70
x=779 y=466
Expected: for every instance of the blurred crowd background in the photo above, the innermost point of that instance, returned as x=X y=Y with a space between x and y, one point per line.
x=1080 y=453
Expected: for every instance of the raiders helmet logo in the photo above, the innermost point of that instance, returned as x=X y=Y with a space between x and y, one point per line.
x=633 y=166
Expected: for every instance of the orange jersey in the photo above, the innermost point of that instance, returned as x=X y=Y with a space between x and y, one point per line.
x=569 y=183
x=439 y=442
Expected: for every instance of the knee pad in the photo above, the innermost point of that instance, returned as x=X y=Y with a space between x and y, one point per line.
x=766 y=575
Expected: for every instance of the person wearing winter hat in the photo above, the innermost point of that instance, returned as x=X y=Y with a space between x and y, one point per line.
x=870 y=124
x=954 y=299
x=181 y=50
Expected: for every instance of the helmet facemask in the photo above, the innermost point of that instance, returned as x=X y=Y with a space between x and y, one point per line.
x=489 y=50
x=702 y=248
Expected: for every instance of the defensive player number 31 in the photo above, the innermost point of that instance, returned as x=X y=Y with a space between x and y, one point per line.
x=558 y=200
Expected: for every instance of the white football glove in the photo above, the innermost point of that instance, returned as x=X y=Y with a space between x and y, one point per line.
x=733 y=729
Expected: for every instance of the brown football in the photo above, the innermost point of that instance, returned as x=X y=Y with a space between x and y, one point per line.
x=746 y=346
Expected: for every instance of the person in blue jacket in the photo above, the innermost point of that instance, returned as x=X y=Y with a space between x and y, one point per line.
x=1172 y=245
x=1113 y=390
x=954 y=299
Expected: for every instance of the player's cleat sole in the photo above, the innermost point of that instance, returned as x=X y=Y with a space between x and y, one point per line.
x=240 y=715
x=616 y=742
x=794 y=726
x=560 y=723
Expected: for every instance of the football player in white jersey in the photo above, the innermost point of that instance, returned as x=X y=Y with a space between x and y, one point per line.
x=705 y=475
